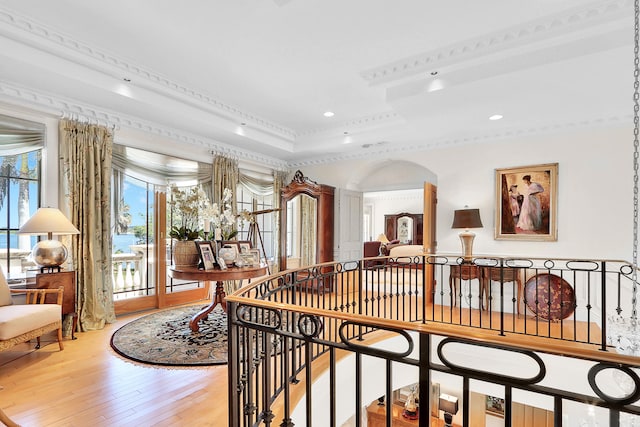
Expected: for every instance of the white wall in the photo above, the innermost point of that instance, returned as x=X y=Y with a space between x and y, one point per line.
x=594 y=190
x=392 y=202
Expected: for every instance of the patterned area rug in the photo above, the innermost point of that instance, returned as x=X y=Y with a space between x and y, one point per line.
x=164 y=338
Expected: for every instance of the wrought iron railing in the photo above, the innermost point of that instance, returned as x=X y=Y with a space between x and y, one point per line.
x=506 y=326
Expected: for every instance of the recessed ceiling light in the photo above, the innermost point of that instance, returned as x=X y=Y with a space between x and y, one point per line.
x=434 y=73
x=329 y=114
x=495 y=117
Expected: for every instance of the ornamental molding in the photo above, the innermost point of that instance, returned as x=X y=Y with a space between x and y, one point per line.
x=65 y=108
x=352 y=126
x=573 y=20
x=392 y=151
x=38 y=35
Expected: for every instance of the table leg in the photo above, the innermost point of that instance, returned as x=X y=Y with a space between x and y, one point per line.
x=218 y=298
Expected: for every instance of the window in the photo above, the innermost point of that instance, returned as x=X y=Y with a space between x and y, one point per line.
x=265 y=222
x=133 y=237
x=19 y=199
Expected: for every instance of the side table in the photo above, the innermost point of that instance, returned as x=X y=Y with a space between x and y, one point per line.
x=66 y=279
x=502 y=275
x=217 y=275
x=458 y=273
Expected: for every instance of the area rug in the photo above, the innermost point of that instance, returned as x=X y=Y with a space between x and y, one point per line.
x=164 y=338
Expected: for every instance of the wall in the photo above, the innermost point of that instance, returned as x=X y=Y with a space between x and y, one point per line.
x=392 y=202
x=594 y=189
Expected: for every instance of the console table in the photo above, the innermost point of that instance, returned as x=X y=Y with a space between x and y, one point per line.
x=216 y=275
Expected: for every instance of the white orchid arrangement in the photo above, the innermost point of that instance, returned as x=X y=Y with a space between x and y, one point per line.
x=221 y=216
x=186 y=206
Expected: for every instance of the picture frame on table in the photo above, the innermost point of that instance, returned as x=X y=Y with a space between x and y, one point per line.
x=221 y=263
x=207 y=254
x=526 y=203
x=244 y=246
x=256 y=256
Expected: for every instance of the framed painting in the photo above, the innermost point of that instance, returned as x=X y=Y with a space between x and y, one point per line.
x=526 y=203
x=207 y=255
x=495 y=406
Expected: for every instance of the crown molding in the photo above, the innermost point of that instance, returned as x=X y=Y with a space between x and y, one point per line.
x=35 y=34
x=360 y=123
x=573 y=20
x=391 y=151
x=65 y=108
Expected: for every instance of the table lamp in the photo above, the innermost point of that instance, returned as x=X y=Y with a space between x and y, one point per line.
x=382 y=238
x=50 y=221
x=467 y=218
x=449 y=405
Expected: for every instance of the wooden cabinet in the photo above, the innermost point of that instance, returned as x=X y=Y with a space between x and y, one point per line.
x=405 y=227
x=321 y=234
x=66 y=279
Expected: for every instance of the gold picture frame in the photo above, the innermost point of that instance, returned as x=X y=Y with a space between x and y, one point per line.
x=526 y=203
x=494 y=406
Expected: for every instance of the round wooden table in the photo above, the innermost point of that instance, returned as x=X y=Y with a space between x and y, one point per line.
x=216 y=275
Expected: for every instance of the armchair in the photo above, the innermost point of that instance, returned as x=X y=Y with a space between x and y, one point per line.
x=24 y=322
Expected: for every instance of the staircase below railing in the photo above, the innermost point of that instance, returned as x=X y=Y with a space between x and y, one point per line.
x=533 y=331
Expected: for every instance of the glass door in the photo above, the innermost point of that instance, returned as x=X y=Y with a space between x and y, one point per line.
x=141 y=249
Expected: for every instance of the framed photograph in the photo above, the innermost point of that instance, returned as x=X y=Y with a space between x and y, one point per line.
x=256 y=256
x=495 y=406
x=526 y=203
x=207 y=255
x=233 y=243
x=245 y=246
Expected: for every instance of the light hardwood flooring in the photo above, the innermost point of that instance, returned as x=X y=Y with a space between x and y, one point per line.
x=88 y=384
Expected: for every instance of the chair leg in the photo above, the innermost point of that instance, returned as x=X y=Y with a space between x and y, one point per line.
x=38 y=343
x=60 y=339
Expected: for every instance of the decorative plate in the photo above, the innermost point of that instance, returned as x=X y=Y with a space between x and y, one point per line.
x=549 y=297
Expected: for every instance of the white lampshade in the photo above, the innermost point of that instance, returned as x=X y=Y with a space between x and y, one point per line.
x=50 y=221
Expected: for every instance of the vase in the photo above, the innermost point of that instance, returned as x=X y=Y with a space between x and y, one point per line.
x=228 y=253
x=185 y=252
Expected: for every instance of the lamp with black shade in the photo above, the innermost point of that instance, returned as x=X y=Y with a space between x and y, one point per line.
x=449 y=405
x=467 y=218
x=48 y=254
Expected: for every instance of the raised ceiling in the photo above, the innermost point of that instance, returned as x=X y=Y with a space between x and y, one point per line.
x=256 y=76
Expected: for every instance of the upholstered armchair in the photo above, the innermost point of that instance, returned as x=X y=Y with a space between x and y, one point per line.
x=24 y=322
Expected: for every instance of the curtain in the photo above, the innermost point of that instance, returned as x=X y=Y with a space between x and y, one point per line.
x=225 y=175
x=257 y=186
x=278 y=183
x=19 y=136
x=85 y=154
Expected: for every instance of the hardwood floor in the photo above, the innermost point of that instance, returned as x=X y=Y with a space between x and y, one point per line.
x=88 y=384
